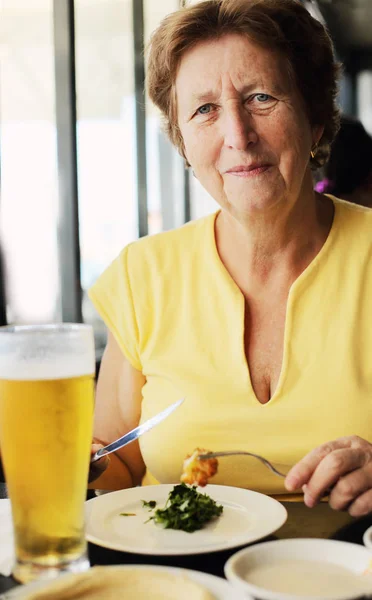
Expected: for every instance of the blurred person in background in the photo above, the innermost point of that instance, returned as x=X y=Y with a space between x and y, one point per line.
x=258 y=314
x=348 y=172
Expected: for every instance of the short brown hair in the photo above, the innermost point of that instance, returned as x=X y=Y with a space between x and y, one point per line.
x=283 y=25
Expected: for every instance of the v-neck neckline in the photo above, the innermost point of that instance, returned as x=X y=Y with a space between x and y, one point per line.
x=239 y=296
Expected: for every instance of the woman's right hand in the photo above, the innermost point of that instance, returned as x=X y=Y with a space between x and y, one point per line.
x=96 y=468
x=117 y=411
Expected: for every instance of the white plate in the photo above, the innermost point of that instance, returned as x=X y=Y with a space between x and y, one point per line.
x=220 y=588
x=367 y=537
x=356 y=559
x=6 y=538
x=247 y=516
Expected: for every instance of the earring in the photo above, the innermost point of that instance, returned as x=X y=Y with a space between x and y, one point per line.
x=313 y=151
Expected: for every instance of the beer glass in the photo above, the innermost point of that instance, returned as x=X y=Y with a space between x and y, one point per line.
x=46 y=414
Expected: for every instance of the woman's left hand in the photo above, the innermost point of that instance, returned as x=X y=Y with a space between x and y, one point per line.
x=343 y=466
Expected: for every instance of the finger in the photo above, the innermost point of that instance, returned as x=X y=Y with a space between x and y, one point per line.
x=301 y=473
x=329 y=470
x=99 y=466
x=362 y=505
x=95 y=447
x=350 y=487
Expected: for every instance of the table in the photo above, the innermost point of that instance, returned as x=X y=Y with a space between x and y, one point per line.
x=210 y=563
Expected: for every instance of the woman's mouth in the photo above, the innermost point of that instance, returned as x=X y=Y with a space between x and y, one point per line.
x=247 y=171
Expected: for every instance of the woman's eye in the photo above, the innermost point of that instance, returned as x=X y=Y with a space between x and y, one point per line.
x=204 y=110
x=262 y=97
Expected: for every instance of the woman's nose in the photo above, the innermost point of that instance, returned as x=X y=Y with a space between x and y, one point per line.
x=239 y=131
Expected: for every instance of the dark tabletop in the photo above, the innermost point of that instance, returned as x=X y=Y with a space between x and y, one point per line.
x=210 y=563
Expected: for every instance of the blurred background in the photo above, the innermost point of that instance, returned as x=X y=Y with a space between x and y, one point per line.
x=85 y=168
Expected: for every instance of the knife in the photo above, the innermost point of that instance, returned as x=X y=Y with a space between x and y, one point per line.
x=135 y=433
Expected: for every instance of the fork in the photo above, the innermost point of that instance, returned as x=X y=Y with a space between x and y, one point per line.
x=267 y=464
x=264 y=461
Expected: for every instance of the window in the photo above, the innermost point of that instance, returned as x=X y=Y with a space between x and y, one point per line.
x=107 y=178
x=105 y=138
x=364 y=86
x=29 y=206
x=106 y=151
x=165 y=170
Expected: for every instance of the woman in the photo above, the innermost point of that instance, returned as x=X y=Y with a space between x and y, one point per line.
x=256 y=314
x=348 y=172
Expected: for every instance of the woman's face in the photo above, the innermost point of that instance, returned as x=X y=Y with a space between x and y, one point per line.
x=244 y=126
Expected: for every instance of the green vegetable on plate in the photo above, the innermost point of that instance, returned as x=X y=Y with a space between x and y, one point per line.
x=186 y=509
x=151 y=504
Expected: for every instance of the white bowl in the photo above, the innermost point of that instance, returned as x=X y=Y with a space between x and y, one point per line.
x=329 y=554
x=367 y=537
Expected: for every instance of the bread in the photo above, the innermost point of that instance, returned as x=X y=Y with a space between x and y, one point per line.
x=110 y=583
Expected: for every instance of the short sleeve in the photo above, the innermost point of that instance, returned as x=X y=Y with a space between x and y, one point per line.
x=112 y=297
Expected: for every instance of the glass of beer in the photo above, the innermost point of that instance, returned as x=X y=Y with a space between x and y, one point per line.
x=46 y=416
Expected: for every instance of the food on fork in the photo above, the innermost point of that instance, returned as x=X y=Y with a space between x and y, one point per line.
x=197 y=471
x=111 y=583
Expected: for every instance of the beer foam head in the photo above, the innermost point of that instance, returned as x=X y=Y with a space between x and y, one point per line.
x=46 y=352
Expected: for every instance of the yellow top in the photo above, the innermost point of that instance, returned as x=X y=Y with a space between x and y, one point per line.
x=178 y=317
